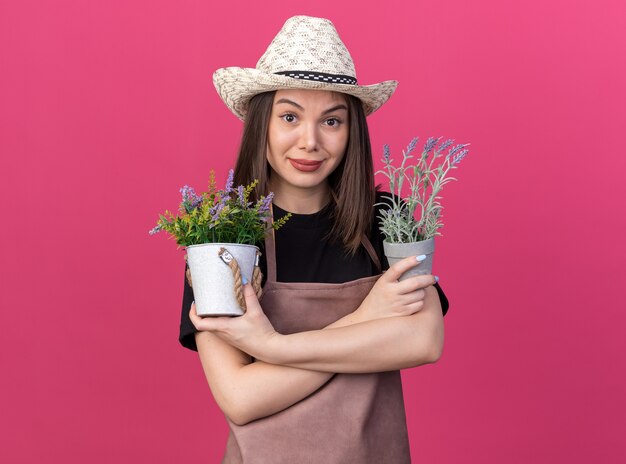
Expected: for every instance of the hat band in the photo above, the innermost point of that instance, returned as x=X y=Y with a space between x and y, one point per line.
x=323 y=77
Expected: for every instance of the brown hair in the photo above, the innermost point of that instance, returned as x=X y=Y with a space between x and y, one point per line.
x=351 y=183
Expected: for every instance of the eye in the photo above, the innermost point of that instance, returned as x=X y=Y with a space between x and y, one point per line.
x=336 y=122
x=288 y=115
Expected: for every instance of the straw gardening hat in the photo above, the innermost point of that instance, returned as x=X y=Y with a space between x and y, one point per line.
x=307 y=53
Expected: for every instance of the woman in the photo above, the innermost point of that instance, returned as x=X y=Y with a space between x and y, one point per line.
x=311 y=372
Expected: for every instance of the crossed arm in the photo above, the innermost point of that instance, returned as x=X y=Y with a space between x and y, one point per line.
x=247 y=390
x=378 y=345
x=291 y=367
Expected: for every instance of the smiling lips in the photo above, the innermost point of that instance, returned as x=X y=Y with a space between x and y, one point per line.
x=305 y=165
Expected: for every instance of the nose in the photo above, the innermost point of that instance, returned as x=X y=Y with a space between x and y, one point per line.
x=309 y=137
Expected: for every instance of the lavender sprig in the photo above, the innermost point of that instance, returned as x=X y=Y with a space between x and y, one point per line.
x=425 y=180
x=229 y=182
x=446 y=144
x=430 y=144
x=215 y=211
x=459 y=157
x=155 y=229
x=412 y=145
x=190 y=199
x=264 y=203
x=241 y=195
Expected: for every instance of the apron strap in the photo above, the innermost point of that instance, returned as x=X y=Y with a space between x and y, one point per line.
x=370 y=250
x=270 y=250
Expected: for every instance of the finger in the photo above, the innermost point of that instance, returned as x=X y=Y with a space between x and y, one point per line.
x=193 y=315
x=415 y=307
x=206 y=323
x=413 y=297
x=252 y=302
x=192 y=311
x=415 y=283
x=396 y=270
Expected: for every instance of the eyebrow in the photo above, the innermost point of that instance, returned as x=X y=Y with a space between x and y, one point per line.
x=341 y=106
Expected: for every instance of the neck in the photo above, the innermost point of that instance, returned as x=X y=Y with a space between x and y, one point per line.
x=300 y=201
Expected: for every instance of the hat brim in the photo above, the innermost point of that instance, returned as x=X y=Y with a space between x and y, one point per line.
x=236 y=86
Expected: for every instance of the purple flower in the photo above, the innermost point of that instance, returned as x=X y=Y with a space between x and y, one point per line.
x=430 y=144
x=454 y=149
x=229 y=181
x=216 y=210
x=446 y=144
x=386 y=153
x=459 y=157
x=411 y=146
x=264 y=203
x=188 y=193
x=240 y=196
x=190 y=199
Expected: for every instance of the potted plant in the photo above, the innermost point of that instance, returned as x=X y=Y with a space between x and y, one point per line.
x=220 y=230
x=411 y=222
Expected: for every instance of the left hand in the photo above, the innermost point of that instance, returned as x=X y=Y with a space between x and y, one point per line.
x=251 y=333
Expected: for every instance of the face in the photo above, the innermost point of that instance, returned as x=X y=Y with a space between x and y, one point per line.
x=307 y=139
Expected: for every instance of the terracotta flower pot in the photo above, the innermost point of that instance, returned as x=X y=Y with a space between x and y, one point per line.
x=213 y=280
x=398 y=251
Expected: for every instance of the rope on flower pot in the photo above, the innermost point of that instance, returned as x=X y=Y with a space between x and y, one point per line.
x=230 y=260
x=257 y=276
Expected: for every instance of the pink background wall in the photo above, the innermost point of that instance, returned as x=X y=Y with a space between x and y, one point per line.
x=107 y=109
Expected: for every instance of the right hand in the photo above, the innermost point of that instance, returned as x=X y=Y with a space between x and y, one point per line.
x=390 y=297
